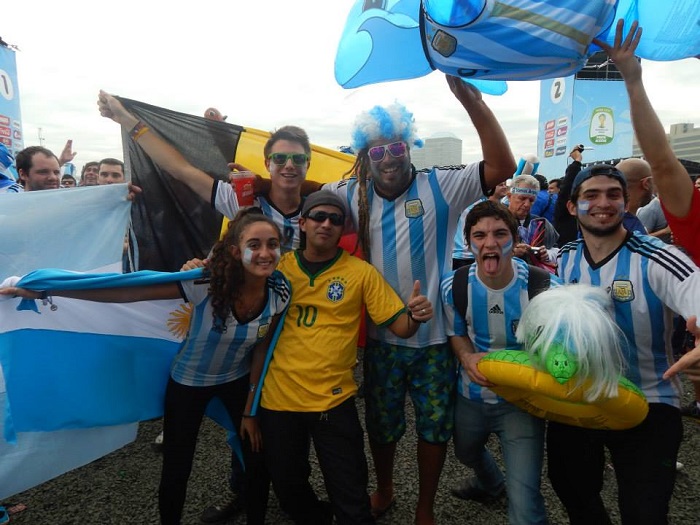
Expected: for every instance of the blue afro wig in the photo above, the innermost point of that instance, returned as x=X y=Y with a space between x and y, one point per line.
x=385 y=123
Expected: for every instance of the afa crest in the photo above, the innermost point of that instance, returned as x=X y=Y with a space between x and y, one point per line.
x=622 y=291
x=414 y=209
x=335 y=291
x=262 y=330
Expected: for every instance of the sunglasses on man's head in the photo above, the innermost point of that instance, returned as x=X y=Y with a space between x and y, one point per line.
x=605 y=170
x=395 y=149
x=299 y=159
x=320 y=216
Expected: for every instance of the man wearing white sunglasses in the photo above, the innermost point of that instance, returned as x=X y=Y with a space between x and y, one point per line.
x=406 y=221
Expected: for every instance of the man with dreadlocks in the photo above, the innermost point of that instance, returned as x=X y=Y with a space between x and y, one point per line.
x=406 y=221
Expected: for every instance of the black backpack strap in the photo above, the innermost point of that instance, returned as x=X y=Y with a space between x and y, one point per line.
x=460 y=284
x=538 y=280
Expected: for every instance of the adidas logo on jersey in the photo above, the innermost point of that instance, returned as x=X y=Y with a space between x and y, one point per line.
x=495 y=309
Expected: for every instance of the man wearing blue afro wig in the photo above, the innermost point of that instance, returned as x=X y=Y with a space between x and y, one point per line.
x=406 y=220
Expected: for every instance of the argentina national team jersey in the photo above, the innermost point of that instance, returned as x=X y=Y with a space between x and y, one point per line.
x=209 y=357
x=491 y=320
x=411 y=237
x=647 y=280
x=11 y=187
x=225 y=202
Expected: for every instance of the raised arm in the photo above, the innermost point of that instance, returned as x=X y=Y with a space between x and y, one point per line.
x=162 y=153
x=499 y=164
x=67 y=155
x=672 y=180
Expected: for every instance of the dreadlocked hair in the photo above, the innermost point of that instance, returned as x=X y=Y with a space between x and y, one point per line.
x=360 y=170
x=225 y=271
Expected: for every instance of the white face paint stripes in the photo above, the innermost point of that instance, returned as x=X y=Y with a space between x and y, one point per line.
x=247 y=256
x=507 y=248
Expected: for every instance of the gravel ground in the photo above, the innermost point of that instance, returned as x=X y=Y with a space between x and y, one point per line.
x=122 y=487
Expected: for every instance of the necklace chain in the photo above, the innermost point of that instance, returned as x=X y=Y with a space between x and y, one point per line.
x=247 y=308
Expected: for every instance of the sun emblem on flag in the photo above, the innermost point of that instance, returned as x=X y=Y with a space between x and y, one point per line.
x=179 y=320
x=336 y=291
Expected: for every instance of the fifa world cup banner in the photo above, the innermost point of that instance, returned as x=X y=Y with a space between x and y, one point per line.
x=573 y=111
x=10 y=118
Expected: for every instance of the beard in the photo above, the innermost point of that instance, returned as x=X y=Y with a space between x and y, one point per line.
x=602 y=231
x=394 y=188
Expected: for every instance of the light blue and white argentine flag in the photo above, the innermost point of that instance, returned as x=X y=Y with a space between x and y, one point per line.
x=61 y=383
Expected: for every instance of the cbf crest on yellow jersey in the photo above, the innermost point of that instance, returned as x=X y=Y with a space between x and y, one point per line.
x=336 y=289
x=312 y=365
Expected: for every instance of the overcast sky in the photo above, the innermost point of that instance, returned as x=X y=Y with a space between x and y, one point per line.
x=263 y=63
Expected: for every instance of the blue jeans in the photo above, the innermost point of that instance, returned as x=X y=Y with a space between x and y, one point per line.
x=522 y=441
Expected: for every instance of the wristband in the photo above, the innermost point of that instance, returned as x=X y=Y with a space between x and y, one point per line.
x=247 y=415
x=252 y=387
x=138 y=130
x=410 y=316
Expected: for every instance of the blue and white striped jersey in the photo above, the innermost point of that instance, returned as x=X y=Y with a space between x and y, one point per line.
x=647 y=280
x=209 y=357
x=492 y=318
x=225 y=202
x=411 y=237
x=11 y=187
x=461 y=248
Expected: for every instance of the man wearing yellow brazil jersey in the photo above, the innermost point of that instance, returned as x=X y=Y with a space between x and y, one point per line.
x=309 y=390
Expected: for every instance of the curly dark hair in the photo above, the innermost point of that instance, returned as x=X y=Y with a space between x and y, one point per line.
x=226 y=273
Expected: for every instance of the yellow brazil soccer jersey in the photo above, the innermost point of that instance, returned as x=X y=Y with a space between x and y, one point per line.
x=312 y=365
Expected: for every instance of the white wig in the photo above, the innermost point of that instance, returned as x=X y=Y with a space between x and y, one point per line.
x=576 y=317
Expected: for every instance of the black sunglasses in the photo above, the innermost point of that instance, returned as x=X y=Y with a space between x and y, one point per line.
x=336 y=219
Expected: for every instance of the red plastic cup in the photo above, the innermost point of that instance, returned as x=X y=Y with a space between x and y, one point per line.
x=244 y=185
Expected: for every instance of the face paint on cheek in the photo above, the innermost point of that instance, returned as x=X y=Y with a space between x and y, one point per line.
x=247 y=256
x=508 y=247
x=277 y=254
x=583 y=206
x=621 y=209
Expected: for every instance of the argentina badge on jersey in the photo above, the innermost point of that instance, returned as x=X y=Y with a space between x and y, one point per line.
x=622 y=291
x=414 y=209
x=262 y=330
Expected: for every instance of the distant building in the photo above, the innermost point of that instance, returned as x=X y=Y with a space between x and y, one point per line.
x=684 y=139
x=443 y=149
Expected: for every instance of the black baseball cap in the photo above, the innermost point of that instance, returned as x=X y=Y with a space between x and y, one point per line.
x=598 y=169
